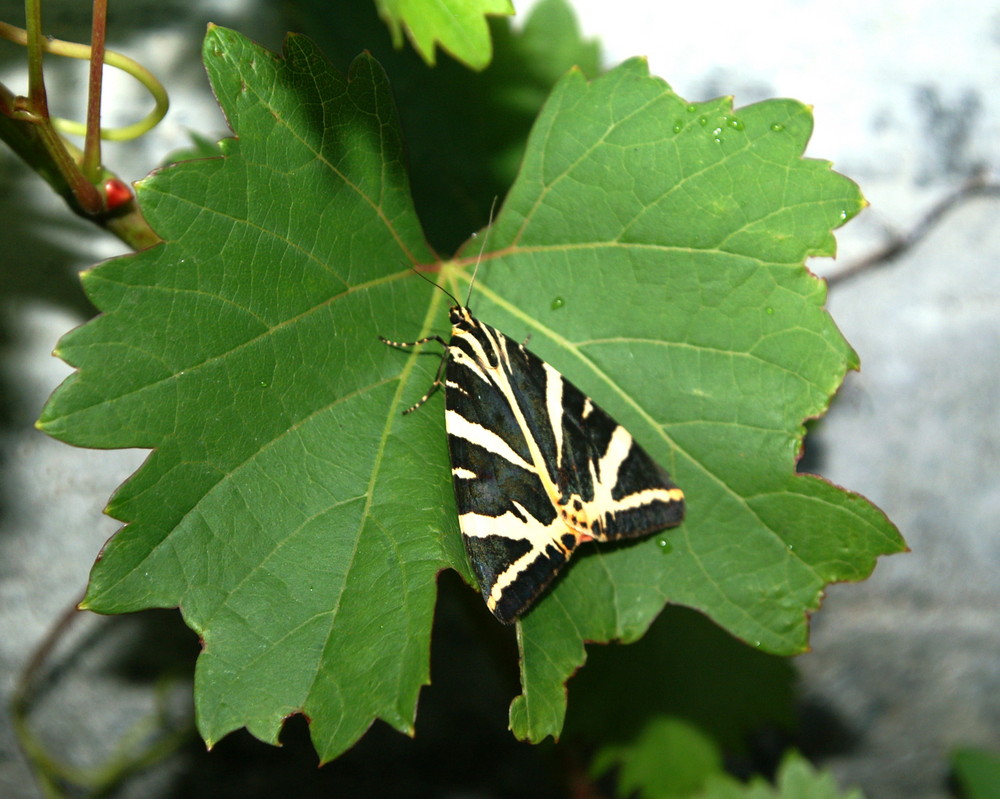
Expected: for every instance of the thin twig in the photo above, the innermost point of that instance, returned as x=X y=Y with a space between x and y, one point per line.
x=899 y=243
x=150 y=739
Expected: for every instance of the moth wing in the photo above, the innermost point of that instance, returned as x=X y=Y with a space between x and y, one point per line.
x=621 y=491
x=514 y=536
x=537 y=468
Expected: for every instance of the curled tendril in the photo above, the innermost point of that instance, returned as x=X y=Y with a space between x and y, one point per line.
x=112 y=59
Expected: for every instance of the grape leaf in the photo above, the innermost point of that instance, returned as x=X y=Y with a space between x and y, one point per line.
x=669 y=758
x=796 y=779
x=653 y=251
x=459 y=26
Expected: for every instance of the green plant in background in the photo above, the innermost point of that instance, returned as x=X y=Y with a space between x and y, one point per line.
x=977 y=773
x=652 y=248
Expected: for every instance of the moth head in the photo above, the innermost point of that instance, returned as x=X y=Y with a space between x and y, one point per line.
x=461 y=318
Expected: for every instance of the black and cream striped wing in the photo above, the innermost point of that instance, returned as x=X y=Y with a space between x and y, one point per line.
x=537 y=467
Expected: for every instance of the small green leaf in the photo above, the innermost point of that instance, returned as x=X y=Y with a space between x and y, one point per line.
x=200 y=147
x=796 y=779
x=669 y=758
x=685 y=667
x=459 y=26
x=977 y=772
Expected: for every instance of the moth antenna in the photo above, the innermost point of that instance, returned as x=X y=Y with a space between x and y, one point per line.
x=482 y=247
x=436 y=285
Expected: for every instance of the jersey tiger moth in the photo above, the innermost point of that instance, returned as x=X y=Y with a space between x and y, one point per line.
x=538 y=468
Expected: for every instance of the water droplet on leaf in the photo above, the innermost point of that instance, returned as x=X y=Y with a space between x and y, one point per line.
x=777 y=127
x=558 y=303
x=665 y=546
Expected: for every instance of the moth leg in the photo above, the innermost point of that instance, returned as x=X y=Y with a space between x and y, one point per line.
x=416 y=343
x=437 y=377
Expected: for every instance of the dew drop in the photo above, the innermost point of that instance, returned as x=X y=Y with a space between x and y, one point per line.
x=665 y=546
x=735 y=123
x=692 y=108
x=678 y=126
x=777 y=127
x=770 y=311
x=703 y=121
x=843 y=216
x=558 y=303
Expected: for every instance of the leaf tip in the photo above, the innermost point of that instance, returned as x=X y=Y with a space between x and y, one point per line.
x=215 y=40
x=639 y=65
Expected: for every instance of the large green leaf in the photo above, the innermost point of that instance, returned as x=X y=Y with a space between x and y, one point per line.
x=653 y=252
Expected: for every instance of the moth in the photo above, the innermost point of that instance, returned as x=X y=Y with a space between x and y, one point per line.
x=537 y=466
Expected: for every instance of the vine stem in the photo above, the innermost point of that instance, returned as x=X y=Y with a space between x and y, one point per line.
x=113 y=59
x=35 y=42
x=78 y=176
x=91 y=163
